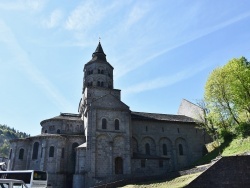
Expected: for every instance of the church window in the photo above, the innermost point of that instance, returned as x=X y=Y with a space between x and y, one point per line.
x=109 y=85
x=100 y=71
x=178 y=130
x=104 y=123
x=118 y=165
x=147 y=148
x=41 y=152
x=90 y=72
x=160 y=163
x=98 y=83
x=35 y=150
x=58 y=131
x=102 y=84
x=73 y=155
x=45 y=131
x=162 y=129
x=181 y=150
x=10 y=154
x=51 y=151
x=146 y=128
x=21 y=153
x=164 y=149
x=143 y=163
x=117 y=124
x=62 y=155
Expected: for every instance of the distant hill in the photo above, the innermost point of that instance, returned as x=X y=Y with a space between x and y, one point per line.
x=6 y=134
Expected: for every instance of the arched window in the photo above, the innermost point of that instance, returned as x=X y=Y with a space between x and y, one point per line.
x=21 y=153
x=35 y=150
x=104 y=123
x=181 y=150
x=10 y=154
x=143 y=163
x=73 y=155
x=160 y=163
x=102 y=84
x=100 y=71
x=62 y=155
x=90 y=83
x=98 y=83
x=147 y=148
x=45 y=131
x=51 y=151
x=117 y=124
x=58 y=131
x=164 y=149
x=118 y=165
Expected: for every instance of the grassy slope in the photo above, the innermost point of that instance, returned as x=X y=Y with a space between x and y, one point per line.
x=175 y=183
x=237 y=146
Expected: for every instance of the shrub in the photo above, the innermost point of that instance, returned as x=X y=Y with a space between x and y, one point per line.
x=243 y=130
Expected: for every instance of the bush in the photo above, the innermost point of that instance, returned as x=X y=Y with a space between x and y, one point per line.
x=226 y=134
x=243 y=130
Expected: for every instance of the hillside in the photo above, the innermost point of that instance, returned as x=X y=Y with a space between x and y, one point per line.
x=6 y=134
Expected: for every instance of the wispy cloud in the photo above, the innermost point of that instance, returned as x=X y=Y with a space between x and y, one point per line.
x=8 y=38
x=136 y=14
x=21 y=5
x=137 y=63
x=54 y=19
x=88 y=14
x=165 y=81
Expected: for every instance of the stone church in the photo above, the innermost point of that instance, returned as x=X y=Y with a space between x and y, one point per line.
x=106 y=141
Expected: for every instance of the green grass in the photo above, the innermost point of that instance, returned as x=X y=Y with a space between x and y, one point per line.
x=181 y=181
x=237 y=146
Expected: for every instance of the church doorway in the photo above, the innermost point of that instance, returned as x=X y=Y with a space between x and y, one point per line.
x=118 y=165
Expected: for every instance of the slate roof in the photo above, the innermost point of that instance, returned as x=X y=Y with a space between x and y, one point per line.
x=64 y=116
x=99 y=49
x=161 y=117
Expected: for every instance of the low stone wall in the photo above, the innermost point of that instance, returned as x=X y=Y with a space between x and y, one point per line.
x=231 y=171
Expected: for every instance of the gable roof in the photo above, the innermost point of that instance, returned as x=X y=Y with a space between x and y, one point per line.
x=161 y=117
x=109 y=101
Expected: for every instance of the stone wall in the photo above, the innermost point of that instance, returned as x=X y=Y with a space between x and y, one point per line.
x=231 y=171
x=157 y=133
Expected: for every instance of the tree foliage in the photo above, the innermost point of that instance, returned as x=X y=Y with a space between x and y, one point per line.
x=6 y=134
x=227 y=95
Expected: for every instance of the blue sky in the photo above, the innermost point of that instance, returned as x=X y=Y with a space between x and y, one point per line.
x=162 y=51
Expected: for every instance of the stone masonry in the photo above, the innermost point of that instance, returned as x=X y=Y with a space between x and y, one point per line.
x=106 y=141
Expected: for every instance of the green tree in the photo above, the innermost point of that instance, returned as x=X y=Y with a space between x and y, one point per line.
x=227 y=95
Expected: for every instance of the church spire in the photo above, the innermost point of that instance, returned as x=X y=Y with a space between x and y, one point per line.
x=99 y=53
x=99 y=48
